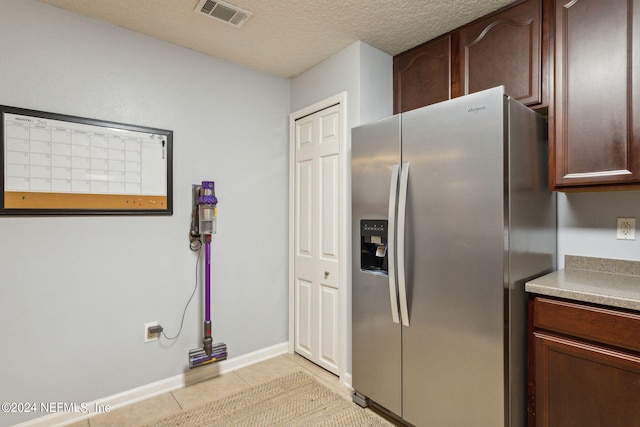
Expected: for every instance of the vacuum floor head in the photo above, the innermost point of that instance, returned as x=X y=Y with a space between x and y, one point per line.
x=199 y=357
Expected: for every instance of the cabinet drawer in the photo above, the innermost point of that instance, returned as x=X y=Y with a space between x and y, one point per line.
x=604 y=325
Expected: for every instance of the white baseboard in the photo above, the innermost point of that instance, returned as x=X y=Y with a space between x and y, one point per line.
x=137 y=394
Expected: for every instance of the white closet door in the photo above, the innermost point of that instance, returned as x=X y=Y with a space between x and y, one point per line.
x=317 y=237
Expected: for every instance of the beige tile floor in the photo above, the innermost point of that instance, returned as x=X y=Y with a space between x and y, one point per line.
x=212 y=389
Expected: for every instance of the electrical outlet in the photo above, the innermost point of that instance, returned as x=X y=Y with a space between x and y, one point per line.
x=150 y=337
x=626 y=229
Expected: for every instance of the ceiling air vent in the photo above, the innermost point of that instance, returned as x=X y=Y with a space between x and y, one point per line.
x=224 y=11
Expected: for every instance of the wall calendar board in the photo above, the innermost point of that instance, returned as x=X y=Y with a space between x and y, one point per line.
x=56 y=164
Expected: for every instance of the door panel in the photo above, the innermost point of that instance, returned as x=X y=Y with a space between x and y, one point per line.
x=329 y=171
x=330 y=133
x=452 y=350
x=304 y=133
x=303 y=343
x=328 y=327
x=304 y=195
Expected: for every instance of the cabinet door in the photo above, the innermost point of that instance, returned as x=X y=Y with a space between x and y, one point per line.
x=580 y=384
x=595 y=138
x=422 y=76
x=505 y=49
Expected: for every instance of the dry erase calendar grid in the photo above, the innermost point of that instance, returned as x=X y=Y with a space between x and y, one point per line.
x=47 y=155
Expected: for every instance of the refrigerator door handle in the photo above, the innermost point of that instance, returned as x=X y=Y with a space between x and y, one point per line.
x=402 y=205
x=393 y=202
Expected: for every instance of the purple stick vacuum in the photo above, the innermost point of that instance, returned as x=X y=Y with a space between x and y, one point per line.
x=206 y=212
x=207 y=281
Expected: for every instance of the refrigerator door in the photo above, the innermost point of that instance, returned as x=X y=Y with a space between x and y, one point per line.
x=376 y=331
x=453 y=353
x=532 y=238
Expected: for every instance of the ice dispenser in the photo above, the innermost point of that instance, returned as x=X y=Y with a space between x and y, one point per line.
x=373 y=245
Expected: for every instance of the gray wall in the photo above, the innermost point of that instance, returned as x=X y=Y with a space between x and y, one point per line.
x=76 y=291
x=362 y=71
x=587 y=225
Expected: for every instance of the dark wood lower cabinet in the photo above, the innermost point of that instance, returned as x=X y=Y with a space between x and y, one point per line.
x=574 y=379
x=579 y=384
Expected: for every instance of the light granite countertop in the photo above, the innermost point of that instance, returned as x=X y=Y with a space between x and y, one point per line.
x=603 y=281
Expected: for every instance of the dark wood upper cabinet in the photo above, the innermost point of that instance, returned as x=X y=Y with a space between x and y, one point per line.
x=595 y=128
x=505 y=49
x=576 y=61
x=422 y=76
x=508 y=47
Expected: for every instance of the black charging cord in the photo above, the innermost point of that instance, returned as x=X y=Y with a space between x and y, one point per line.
x=194 y=247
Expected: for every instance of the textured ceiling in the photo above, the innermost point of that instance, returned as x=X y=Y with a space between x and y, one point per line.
x=287 y=37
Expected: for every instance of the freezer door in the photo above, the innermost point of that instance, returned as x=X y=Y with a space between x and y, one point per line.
x=376 y=334
x=453 y=352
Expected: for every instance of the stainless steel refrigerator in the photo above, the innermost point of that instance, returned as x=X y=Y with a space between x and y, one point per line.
x=451 y=215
